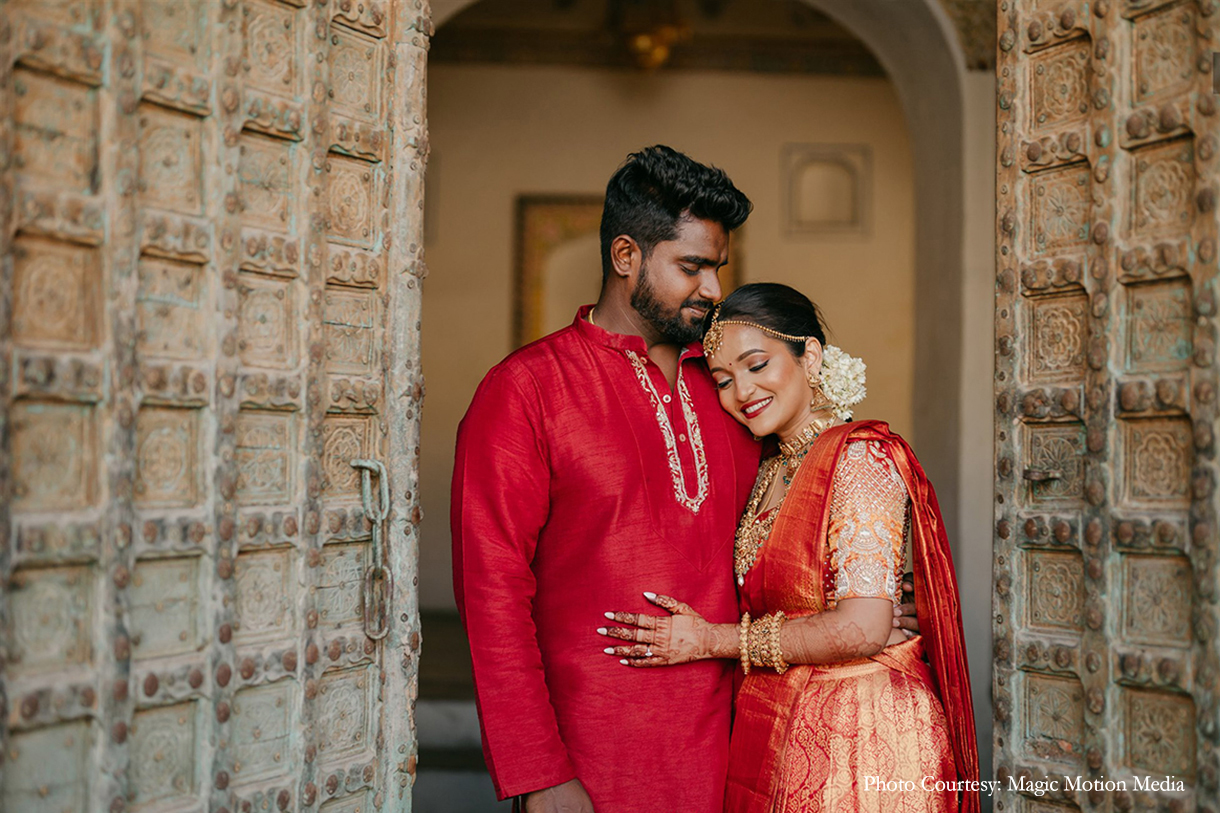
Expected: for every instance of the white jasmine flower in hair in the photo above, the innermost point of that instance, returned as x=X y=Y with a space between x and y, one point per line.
x=842 y=380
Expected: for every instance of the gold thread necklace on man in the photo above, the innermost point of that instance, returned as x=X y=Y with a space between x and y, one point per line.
x=692 y=502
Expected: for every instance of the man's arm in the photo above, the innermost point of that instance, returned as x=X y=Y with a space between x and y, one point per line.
x=501 y=484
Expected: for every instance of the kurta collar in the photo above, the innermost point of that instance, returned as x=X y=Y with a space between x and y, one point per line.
x=621 y=341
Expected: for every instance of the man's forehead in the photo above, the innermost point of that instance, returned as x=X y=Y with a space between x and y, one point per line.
x=707 y=234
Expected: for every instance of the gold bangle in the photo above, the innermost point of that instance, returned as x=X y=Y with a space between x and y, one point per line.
x=760 y=636
x=777 y=653
x=757 y=636
x=743 y=630
x=761 y=645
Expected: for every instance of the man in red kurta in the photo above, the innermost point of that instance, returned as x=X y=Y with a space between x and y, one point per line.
x=593 y=464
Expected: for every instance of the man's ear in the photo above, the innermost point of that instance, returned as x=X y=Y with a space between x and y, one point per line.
x=625 y=256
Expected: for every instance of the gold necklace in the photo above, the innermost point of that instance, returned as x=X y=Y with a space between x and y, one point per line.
x=793 y=451
x=753 y=530
x=591 y=316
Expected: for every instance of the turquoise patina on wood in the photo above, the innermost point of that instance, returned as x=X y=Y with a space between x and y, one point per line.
x=212 y=261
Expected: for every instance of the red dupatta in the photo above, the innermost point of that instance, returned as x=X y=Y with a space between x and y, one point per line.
x=790 y=575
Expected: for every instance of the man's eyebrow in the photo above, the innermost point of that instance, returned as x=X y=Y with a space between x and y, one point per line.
x=696 y=260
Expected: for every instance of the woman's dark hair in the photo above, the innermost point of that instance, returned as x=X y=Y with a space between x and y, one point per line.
x=779 y=307
x=655 y=188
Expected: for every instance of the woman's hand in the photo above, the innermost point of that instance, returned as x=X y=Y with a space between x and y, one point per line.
x=658 y=640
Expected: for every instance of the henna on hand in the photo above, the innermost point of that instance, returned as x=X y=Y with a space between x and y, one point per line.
x=681 y=637
x=723 y=641
x=856 y=628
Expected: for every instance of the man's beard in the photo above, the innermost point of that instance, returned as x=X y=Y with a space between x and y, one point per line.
x=669 y=324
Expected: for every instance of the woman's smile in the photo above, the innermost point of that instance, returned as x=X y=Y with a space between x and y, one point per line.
x=754 y=408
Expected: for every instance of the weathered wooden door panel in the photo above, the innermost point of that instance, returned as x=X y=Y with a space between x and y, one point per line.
x=1105 y=559
x=205 y=331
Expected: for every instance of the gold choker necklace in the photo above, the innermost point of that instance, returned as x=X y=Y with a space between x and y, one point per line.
x=793 y=451
x=789 y=449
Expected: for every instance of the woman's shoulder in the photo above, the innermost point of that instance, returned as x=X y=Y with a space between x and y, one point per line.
x=878 y=435
x=865 y=451
x=867 y=461
x=857 y=448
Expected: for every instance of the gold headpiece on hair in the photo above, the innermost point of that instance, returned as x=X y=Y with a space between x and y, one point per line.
x=715 y=333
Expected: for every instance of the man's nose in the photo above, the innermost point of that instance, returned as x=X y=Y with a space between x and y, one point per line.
x=709 y=285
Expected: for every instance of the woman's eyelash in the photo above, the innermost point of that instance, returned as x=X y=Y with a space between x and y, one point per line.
x=724 y=383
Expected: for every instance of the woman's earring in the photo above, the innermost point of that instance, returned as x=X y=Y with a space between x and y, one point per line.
x=819 y=399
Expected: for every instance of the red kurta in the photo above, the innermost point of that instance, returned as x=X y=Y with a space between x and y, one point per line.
x=582 y=480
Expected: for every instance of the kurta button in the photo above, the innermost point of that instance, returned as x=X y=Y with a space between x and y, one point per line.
x=665 y=398
x=682 y=438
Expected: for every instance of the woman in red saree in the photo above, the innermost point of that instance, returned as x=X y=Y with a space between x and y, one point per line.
x=837 y=710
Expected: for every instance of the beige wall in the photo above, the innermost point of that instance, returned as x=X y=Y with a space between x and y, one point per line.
x=973 y=558
x=498 y=131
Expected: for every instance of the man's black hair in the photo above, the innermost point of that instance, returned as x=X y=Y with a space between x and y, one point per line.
x=658 y=186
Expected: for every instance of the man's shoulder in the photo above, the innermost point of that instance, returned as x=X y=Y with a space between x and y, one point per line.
x=544 y=350
x=532 y=361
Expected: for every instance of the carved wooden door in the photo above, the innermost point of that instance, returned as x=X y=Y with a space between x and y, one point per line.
x=211 y=213
x=1106 y=402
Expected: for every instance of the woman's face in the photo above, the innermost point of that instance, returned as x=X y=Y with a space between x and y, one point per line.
x=761 y=383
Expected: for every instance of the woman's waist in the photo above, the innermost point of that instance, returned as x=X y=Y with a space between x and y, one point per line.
x=904 y=657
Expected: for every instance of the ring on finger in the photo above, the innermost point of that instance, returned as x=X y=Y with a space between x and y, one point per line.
x=648 y=652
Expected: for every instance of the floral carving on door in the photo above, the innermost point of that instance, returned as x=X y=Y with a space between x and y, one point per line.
x=205 y=332
x=1106 y=662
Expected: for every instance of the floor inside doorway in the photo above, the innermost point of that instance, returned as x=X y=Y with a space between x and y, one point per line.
x=451 y=776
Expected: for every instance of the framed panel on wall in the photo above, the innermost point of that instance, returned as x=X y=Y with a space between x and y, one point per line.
x=827 y=189
x=558 y=262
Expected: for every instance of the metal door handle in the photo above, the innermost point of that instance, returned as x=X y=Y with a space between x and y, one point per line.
x=1040 y=475
x=378 y=583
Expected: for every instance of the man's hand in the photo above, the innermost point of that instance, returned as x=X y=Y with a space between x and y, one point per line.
x=570 y=797
x=904 y=614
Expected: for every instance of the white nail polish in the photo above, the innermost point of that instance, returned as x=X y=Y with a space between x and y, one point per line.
x=624 y=662
x=650 y=596
x=609 y=650
x=609 y=615
x=601 y=630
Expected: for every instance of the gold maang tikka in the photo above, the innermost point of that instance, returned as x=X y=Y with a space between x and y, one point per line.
x=715 y=333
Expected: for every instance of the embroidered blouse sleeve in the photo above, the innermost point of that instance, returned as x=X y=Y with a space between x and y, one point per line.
x=868 y=512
